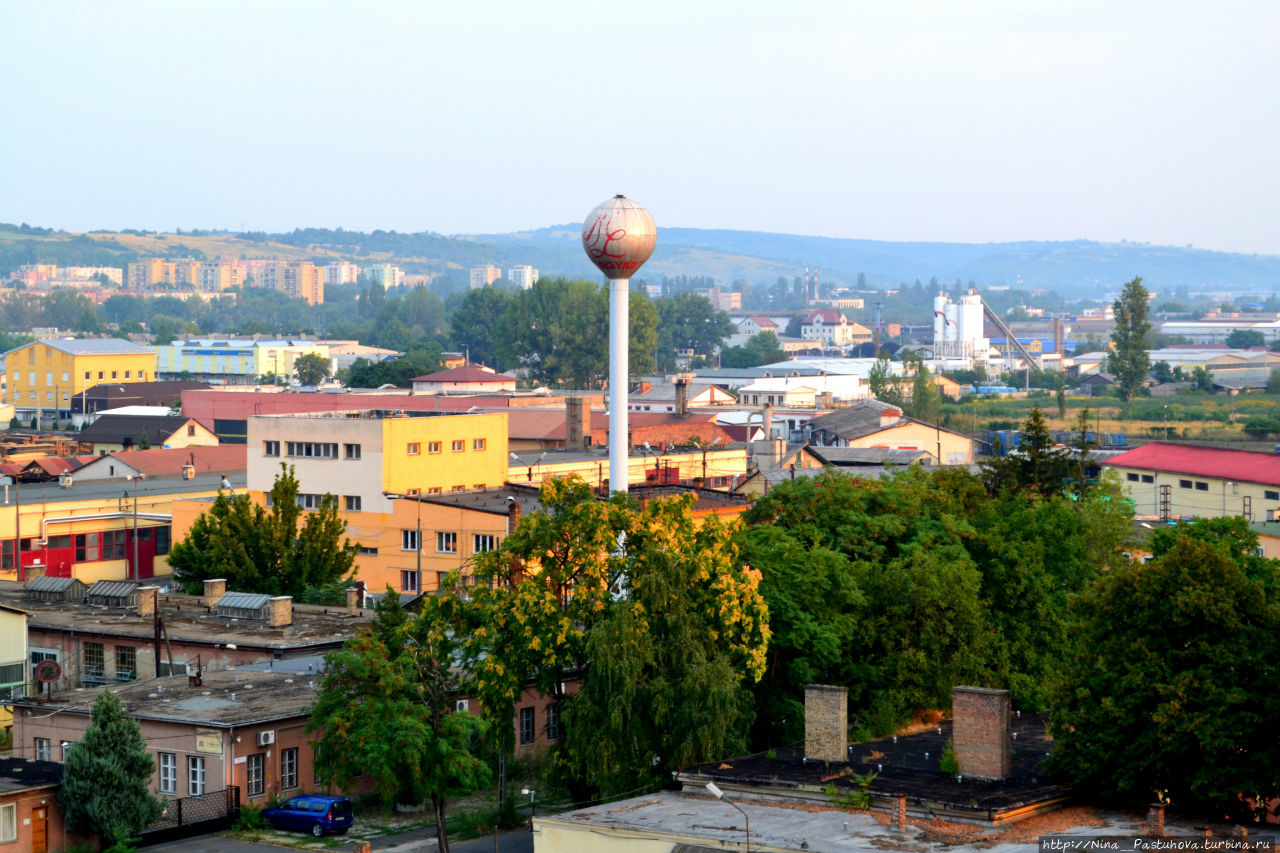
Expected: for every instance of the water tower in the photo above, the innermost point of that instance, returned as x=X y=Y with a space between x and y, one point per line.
x=618 y=237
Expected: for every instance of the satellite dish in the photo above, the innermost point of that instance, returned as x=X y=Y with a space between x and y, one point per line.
x=48 y=670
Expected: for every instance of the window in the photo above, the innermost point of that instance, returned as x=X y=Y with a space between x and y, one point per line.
x=195 y=776
x=288 y=769
x=1202 y=487
x=128 y=374
x=168 y=773
x=191 y=429
x=86 y=547
x=459 y=488
x=351 y=503
x=115 y=374
x=408 y=540
x=127 y=667
x=413 y=448
x=1271 y=496
x=94 y=665
x=459 y=445
x=482 y=542
x=368 y=550
x=86 y=375
x=31 y=378
x=1131 y=477
x=60 y=543
x=312 y=449
x=44 y=752
x=433 y=490
x=526 y=726
x=48 y=377
x=351 y=451
x=479 y=487
x=6 y=554
x=9 y=822
x=66 y=377
x=310 y=500
x=409 y=581
x=113 y=544
x=1184 y=484
x=553 y=721
x=162 y=539
x=446 y=543
x=477 y=444
x=257 y=774
x=270 y=448
x=1148 y=478
x=433 y=447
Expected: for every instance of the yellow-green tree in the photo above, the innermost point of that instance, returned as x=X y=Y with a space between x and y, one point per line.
x=648 y=609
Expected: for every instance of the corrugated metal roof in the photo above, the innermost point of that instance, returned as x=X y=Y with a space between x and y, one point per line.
x=50 y=584
x=98 y=346
x=244 y=601
x=1245 y=466
x=112 y=589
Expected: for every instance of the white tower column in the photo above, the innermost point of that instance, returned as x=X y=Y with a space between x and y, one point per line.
x=619 y=357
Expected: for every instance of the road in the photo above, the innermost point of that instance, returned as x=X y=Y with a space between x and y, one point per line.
x=412 y=841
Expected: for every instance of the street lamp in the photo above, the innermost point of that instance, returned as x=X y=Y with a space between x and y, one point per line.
x=533 y=801
x=720 y=795
x=134 y=478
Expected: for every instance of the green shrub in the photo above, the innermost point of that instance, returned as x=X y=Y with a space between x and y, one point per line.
x=948 y=764
x=249 y=819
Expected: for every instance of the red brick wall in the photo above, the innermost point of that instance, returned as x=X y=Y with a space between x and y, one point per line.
x=980 y=731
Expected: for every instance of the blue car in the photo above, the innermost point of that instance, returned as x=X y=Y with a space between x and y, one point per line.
x=315 y=813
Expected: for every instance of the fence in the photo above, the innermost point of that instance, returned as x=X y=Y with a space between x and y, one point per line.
x=188 y=816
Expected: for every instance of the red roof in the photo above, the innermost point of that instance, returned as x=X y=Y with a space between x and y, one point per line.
x=1246 y=466
x=465 y=374
x=159 y=462
x=827 y=315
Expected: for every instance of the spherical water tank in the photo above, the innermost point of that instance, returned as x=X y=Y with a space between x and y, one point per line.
x=619 y=236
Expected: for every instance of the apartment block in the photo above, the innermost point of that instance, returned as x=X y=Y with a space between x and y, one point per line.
x=523 y=277
x=387 y=275
x=485 y=275
x=343 y=272
x=300 y=279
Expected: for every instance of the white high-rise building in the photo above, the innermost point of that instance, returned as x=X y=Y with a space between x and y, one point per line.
x=484 y=276
x=523 y=277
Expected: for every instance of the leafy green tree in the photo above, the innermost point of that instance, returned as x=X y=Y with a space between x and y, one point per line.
x=266 y=550
x=1273 y=381
x=926 y=398
x=762 y=348
x=311 y=368
x=1060 y=394
x=883 y=384
x=1246 y=338
x=651 y=609
x=1171 y=688
x=689 y=320
x=475 y=323
x=386 y=710
x=1161 y=372
x=1261 y=427
x=1128 y=360
x=1037 y=466
x=557 y=331
x=1202 y=380
x=399 y=372
x=106 y=776
x=642 y=329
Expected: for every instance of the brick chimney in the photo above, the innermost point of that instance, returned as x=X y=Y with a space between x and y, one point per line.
x=980 y=732
x=147 y=598
x=214 y=589
x=281 y=612
x=826 y=723
x=513 y=514
x=353 y=601
x=682 y=395
x=576 y=414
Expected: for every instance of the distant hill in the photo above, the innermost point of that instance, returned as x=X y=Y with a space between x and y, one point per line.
x=1076 y=268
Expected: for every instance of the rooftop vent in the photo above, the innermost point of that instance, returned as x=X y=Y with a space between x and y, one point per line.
x=244 y=605
x=113 y=594
x=54 y=589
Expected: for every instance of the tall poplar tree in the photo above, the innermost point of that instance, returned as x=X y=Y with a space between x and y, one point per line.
x=1128 y=360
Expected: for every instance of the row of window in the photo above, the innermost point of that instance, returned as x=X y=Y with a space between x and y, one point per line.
x=89 y=547
x=169 y=774
x=528 y=724
x=458 y=445
x=1197 y=485
x=94 y=663
x=66 y=376
x=447 y=542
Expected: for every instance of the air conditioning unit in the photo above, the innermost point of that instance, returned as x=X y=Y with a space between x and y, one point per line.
x=64 y=480
x=462 y=705
x=266 y=738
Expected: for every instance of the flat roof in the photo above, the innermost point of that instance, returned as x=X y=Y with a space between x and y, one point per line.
x=188 y=620
x=227 y=698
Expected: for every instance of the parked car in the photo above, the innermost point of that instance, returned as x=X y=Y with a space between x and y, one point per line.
x=314 y=813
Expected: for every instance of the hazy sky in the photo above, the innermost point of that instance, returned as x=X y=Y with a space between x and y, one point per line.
x=952 y=120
